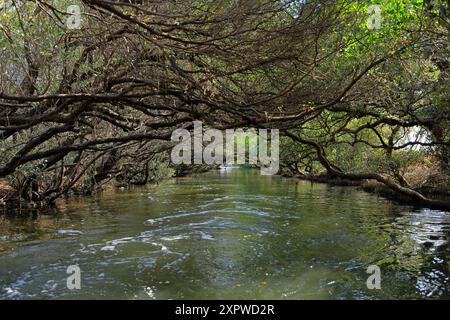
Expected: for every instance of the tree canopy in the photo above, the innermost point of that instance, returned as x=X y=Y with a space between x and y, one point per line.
x=92 y=90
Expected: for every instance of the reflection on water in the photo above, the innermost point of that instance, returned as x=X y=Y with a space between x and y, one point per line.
x=231 y=234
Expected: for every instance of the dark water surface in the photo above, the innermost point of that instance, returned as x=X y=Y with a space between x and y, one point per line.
x=228 y=235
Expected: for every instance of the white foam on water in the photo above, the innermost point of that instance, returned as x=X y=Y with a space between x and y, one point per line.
x=108 y=248
x=69 y=232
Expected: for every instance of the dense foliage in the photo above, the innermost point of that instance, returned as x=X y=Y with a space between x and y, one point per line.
x=359 y=89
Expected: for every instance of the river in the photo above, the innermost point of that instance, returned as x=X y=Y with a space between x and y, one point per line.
x=231 y=234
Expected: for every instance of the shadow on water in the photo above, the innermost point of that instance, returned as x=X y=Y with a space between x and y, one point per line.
x=227 y=234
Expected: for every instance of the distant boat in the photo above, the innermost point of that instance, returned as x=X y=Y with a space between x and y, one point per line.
x=226 y=166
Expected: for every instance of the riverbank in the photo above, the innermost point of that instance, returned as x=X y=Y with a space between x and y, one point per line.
x=440 y=194
x=9 y=202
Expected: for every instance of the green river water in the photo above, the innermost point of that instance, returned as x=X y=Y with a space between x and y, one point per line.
x=227 y=235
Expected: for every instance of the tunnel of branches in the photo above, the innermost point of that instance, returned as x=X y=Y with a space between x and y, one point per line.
x=97 y=104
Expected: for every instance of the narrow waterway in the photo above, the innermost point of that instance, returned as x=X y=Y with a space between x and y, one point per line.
x=231 y=234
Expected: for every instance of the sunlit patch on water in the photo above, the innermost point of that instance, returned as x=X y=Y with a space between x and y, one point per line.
x=429 y=228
